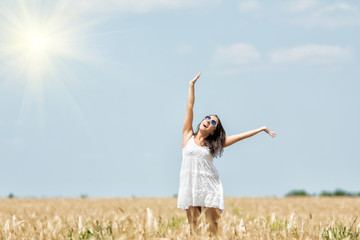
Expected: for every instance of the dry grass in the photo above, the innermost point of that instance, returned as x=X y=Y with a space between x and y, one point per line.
x=158 y=218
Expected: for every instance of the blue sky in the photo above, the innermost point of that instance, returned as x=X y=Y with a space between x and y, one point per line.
x=93 y=95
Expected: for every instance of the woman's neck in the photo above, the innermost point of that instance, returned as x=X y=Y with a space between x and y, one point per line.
x=200 y=137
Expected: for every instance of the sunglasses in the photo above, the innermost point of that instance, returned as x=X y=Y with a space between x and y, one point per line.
x=212 y=122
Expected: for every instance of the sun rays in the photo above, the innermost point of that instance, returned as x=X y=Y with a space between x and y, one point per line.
x=32 y=39
x=42 y=45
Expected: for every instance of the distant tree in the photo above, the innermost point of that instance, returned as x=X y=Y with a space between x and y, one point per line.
x=297 y=193
x=340 y=192
x=337 y=192
x=11 y=195
x=325 y=194
x=84 y=196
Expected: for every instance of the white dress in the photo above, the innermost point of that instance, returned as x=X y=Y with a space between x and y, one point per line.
x=200 y=183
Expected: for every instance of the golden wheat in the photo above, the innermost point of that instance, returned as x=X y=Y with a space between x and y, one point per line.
x=158 y=218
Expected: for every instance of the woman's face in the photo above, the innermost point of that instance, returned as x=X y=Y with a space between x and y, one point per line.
x=209 y=124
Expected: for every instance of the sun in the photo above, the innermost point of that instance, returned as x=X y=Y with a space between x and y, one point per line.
x=37 y=43
x=33 y=43
x=34 y=46
x=45 y=47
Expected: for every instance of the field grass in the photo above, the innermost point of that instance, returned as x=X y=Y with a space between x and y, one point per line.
x=158 y=218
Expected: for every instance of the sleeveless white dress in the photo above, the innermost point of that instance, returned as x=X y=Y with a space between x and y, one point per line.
x=200 y=183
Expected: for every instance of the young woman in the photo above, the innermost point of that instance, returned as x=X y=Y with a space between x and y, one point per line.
x=200 y=187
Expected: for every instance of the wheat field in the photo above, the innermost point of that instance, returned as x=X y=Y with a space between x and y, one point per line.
x=158 y=218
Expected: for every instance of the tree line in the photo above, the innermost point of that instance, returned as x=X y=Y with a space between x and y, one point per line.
x=292 y=193
x=335 y=193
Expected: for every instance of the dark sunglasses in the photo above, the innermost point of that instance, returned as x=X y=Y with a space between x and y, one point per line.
x=213 y=122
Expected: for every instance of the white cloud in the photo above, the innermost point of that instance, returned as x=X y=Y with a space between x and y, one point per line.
x=248 y=5
x=140 y=6
x=242 y=58
x=309 y=13
x=301 y=5
x=235 y=55
x=338 y=7
x=237 y=58
x=329 y=16
x=311 y=54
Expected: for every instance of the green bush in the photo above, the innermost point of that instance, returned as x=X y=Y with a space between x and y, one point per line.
x=325 y=194
x=297 y=193
x=337 y=192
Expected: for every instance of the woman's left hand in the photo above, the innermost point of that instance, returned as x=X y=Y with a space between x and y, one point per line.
x=272 y=134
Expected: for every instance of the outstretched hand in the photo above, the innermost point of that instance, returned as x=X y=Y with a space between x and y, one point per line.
x=193 y=81
x=272 y=134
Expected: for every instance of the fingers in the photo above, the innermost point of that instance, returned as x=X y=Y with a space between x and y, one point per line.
x=272 y=134
x=195 y=79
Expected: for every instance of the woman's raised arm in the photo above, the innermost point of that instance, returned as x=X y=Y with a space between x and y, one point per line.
x=187 y=128
x=238 y=137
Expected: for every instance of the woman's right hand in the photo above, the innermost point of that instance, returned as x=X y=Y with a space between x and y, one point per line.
x=193 y=81
x=265 y=129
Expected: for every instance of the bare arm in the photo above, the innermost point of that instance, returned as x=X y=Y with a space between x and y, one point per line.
x=238 y=137
x=187 y=128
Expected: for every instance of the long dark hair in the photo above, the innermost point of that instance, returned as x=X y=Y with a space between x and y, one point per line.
x=215 y=142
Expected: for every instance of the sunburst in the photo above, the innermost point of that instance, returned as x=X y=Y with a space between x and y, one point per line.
x=32 y=39
x=42 y=43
